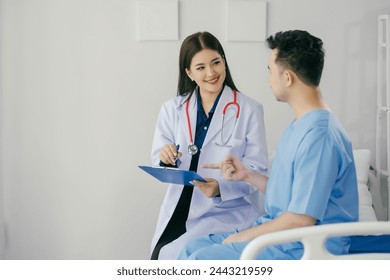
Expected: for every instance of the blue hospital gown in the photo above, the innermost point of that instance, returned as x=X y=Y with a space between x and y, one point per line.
x=313 y=173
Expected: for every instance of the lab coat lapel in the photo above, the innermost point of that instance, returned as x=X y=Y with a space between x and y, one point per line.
x=216 y=124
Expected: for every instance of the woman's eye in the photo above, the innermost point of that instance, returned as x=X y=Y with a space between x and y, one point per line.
x=200 y=68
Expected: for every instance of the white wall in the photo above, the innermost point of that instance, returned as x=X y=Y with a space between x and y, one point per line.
x=79 y=98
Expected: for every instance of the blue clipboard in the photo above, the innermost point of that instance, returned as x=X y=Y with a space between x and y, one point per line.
x=172 y=175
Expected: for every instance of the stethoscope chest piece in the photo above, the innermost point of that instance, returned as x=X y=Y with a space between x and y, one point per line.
x=192 y=149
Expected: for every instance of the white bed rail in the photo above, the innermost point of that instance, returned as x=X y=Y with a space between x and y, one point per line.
x=313 y=239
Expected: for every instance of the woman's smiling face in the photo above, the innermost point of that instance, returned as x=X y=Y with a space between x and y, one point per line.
x=208 y=71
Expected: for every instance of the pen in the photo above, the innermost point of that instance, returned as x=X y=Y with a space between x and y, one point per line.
x=177 y=161
x=177 y=152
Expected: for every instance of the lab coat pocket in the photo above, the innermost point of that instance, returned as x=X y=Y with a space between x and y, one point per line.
x=232 y=147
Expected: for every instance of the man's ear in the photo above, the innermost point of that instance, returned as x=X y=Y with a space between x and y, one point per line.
x=288 y=77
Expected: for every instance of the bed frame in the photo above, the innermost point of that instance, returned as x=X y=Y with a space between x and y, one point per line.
x=313 y=239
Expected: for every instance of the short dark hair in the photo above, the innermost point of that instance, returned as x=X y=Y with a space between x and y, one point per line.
x=189 y=48
x=300 y=52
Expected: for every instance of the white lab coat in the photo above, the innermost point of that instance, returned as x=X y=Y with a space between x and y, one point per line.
x=240 y=203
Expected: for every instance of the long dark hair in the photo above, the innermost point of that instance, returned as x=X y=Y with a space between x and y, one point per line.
x=189 y=48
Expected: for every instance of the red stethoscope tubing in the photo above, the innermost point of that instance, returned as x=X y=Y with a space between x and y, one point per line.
x=189 y=122
x=234 y=102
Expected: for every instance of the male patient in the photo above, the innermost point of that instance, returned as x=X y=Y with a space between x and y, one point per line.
x=313 y=177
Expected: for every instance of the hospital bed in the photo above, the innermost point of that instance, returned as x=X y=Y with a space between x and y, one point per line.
x=370 y=238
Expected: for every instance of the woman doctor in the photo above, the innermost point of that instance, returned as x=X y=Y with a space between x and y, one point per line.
x=208 y=120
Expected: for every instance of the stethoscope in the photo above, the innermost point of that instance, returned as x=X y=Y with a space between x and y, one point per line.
x=192 y=148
